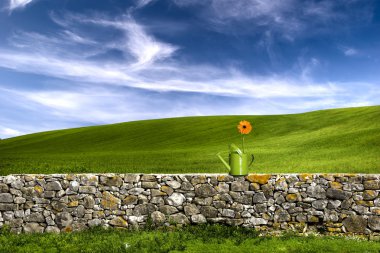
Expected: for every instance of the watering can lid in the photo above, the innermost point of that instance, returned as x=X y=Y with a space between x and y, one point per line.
x=234 y=148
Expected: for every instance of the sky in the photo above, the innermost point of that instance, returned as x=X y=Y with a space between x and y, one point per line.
x=73 y=63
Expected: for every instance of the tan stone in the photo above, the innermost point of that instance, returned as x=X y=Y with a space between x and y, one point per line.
x=119 y=222
x=364 y=203
x=109 y=201
x=336 y=185
x=38 y=189
x=370 y=194
x=292 y=197
x=334 y=230
x=167 y=189
x=255 y=186
x=130 y=199
x=305 y=177
x=258 y=178
x=73 y=203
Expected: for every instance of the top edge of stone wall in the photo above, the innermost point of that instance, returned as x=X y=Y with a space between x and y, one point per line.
x=199 y=174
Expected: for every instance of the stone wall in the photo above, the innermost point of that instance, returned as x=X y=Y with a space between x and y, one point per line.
x=327 y=202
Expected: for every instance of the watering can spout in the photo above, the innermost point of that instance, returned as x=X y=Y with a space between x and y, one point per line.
x=224 y=162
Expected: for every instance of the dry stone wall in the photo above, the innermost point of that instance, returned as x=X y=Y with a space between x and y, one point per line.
x=334 y=203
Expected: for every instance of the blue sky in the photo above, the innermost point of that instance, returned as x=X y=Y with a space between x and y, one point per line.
x=71 y=63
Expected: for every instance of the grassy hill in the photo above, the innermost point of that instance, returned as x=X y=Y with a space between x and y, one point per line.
x=338 y=140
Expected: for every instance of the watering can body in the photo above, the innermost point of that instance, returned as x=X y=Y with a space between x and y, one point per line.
x=238 y=161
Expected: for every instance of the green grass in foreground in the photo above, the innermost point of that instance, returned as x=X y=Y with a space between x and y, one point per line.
x=211 y=238
x=338 y=140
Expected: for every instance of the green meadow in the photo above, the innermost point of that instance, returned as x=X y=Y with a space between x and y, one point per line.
x=211 y=238
x=338 y=140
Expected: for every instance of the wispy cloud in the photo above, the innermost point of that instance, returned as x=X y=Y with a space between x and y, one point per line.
x=16 y=4
x=288 y=18
x=146 y=80
x=147 y=64
x=348 y=51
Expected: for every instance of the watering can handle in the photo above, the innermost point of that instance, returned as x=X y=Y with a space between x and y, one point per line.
x=253 y=158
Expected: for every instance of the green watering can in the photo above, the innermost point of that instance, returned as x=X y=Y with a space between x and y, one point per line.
x=238 y=161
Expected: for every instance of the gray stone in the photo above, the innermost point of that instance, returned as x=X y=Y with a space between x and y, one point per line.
x=259 y=198
x=74 y=186
x=198 y=219
x=338 y=194
x=53 y=186
x=219 y=204
x=178 y=218
x=19 y=200
x=374 y=223
x=209 y=211
x=88 y=202
x=6 y=207
x=166 y=209
x=205 y=190
x=257 y=221
x=89 y=180
x=149 y=185
x=3 y=188
x=35 y=217
x=240 y=186
x=281 y=215
x=355 y=224
x=87 y=189
x=158 y=217
x=187 y=186
x=234 y=222
x=8 y=216
x=334 y=204
x=49 y=194
x=372 y=185
x=228 y=213
x=19 y=213
x=6 y=198
x=191 y=209
x=319 y=204
x=131 y=178
x=281 y=185
x=111 y=181
x=33 y=228
x=280 y=199
x=173 y=184
x=223 y=187
x=80 y=211
x=63 y=219
x=144 y=209
x=203 y=201
x=94 y=223
x=261 y=208
x=149 y=178
x=52 y=229
x=17 y=184
x=134 y=220
x=176 y=199
x=316 y=191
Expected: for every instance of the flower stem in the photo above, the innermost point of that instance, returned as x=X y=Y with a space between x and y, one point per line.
x=243 y=143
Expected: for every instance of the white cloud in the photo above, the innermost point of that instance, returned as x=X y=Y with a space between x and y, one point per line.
x=143 y=3
x=9 y=132
x=15 y=4
x=349 y=51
